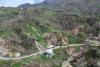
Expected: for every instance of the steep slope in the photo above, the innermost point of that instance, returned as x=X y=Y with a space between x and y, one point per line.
x=61 y=14
x=88 y=7
x=78 y=6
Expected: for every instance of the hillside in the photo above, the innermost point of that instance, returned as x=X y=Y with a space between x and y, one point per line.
x=30 y=29
x=71 y=6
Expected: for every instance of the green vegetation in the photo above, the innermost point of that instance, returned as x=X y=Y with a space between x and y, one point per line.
x=26 y=28
x=5 y=33
x=7 y=13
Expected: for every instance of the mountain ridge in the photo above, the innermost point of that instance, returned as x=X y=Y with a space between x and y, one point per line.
x=77 y=6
